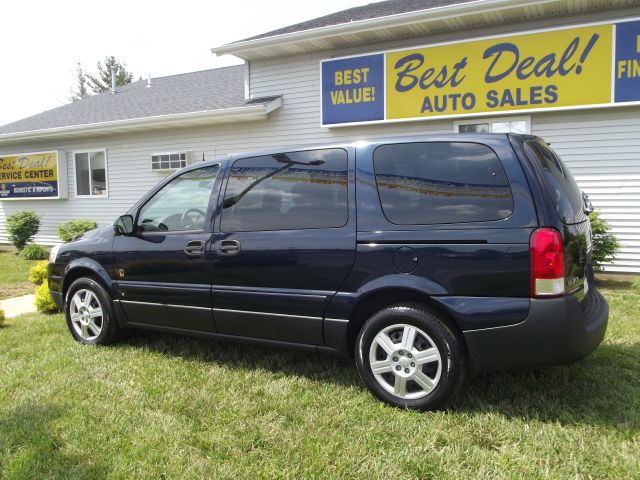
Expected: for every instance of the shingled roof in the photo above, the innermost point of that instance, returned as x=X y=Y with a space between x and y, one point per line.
x=207 y=90
x=364 y=12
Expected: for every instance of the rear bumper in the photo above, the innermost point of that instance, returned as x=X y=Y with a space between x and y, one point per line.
x=557 y=331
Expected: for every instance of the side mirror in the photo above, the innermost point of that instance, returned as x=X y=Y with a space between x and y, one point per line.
x=124 y=225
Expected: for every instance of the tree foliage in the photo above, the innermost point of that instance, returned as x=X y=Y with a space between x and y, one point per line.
x=101 y=82
x=605 y=244
x=86 y=83
x=81 y=91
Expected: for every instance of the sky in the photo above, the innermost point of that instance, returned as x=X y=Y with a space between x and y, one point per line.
x=41 y=42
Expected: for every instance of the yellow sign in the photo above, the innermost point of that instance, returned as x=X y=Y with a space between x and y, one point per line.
x=585 y=66
x=552 y=69
x=33 y=175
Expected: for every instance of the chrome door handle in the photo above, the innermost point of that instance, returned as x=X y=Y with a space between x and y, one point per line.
x=229 y=247
x=194 y=247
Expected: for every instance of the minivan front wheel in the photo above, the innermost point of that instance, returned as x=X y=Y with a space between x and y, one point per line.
x=89 y=312
x=410 y=358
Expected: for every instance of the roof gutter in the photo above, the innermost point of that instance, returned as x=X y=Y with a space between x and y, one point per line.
x=226 y=115
x=432 y=15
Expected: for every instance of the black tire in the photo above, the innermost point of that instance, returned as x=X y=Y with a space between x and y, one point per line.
x=449 y=371
x=108 y=324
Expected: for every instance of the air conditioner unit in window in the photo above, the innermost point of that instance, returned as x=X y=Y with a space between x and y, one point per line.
x=170 y=161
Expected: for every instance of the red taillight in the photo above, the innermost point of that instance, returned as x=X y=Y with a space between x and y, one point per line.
x=547 y=263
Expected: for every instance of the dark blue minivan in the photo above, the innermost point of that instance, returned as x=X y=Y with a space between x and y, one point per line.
x=424 y=258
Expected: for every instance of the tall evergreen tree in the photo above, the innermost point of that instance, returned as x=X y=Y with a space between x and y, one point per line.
x=102 y=81
x=81 y=90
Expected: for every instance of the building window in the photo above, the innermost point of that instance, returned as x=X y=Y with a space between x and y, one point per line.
x=170 y=160
x=497 y=125
x=91 y=173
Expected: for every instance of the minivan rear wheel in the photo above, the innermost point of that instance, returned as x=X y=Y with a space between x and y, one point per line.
x=408 y=357
x=89 y=312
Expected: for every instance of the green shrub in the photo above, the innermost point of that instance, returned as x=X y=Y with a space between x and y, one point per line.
x=605 y=243
x=22 y=226
x=38 y=273
x=34 y=252
x=44 y=302
x=2 y=318
x=68 y=231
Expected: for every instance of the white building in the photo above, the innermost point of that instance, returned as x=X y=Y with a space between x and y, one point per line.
x=565 y=70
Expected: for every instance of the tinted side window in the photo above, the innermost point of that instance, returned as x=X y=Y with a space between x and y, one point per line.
x=564 y=191
x=287 y=191
x=181 y=204
x=441 y=182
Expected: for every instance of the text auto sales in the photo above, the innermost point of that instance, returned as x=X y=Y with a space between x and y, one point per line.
x=506 y=61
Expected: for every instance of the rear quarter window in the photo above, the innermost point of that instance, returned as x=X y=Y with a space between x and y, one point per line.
x=562 y=187
x=441 y=182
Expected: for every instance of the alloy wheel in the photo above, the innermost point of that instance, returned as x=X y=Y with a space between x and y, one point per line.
x=405 y=361
x=86 y=314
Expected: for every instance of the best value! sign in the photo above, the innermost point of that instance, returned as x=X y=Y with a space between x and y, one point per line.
x=32 y=175
x=589 y=66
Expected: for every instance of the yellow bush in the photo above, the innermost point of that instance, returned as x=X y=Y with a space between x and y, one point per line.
x=38 y=273
x=44 y=302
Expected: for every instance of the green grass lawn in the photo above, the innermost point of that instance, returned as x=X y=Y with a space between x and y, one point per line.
x=162 y=406
x=14 y=274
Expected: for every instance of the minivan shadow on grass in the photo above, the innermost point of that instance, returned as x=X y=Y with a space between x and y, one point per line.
x=29 y=446
x=315 y=366
x=603 y=389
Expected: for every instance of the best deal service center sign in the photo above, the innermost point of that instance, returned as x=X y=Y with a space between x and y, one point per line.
x=32 y=176
x=589 y=66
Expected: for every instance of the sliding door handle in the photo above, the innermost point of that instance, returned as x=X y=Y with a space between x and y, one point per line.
x=229 y=247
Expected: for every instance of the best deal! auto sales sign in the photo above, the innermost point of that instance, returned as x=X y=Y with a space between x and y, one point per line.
x=566 y=68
